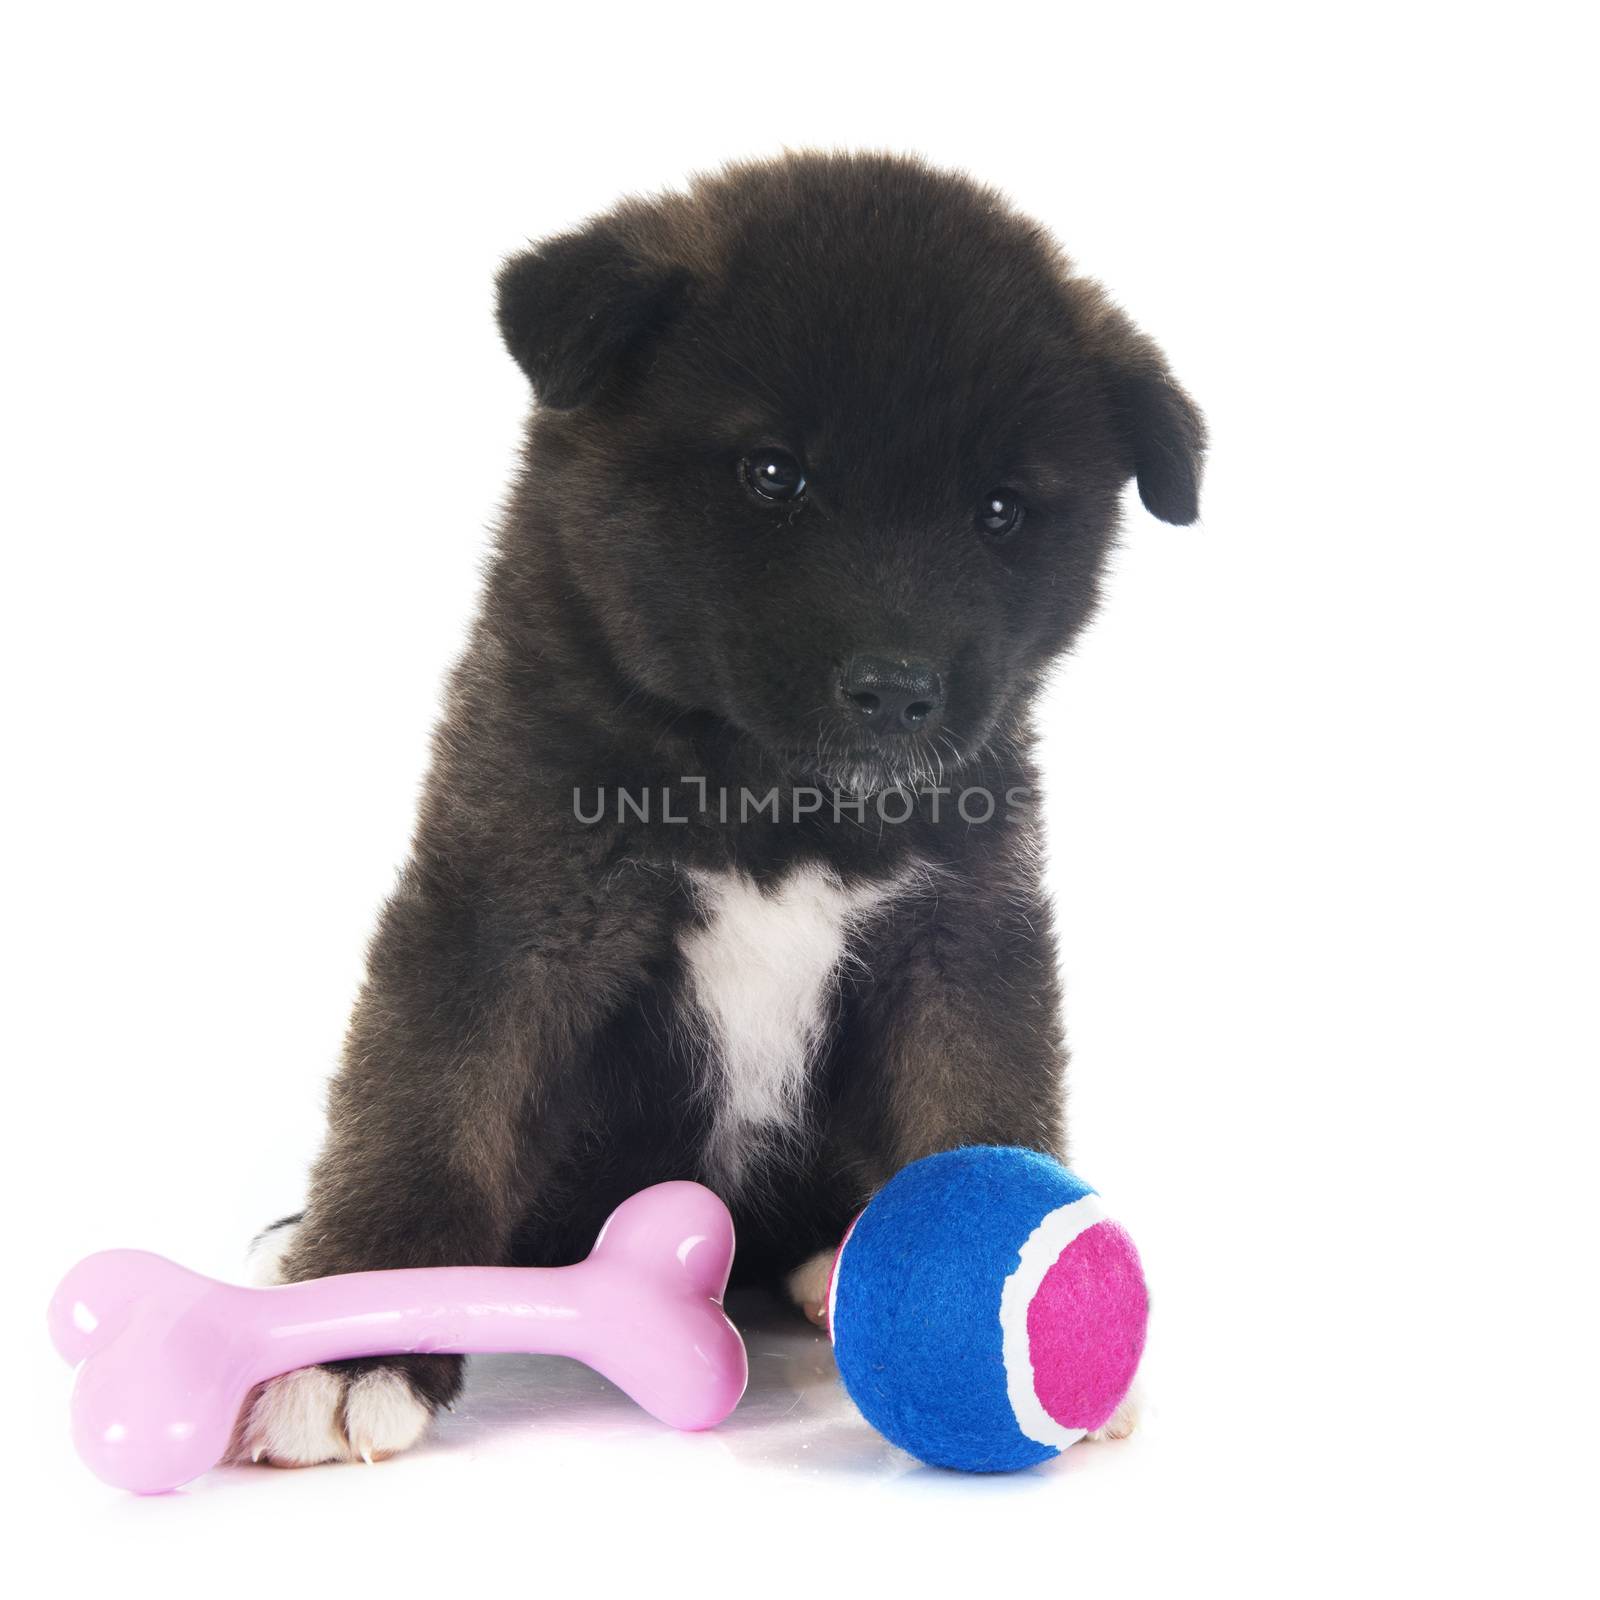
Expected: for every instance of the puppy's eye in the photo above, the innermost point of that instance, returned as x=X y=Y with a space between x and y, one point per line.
x=773 y=475
x=1000 y=514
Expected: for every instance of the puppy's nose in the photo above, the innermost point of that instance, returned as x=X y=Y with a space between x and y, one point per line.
x=890 y=695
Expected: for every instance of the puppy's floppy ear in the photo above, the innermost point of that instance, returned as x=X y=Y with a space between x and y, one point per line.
x=1162 y=427
x=571 y=308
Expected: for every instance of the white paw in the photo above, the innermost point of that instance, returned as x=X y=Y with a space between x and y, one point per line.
x=808 y=1286
x=383 y=1416
x=304 y=1418
x=1122 y=1421
x=263 y=1266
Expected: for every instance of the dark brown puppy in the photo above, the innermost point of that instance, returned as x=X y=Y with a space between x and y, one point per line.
x=727 y=863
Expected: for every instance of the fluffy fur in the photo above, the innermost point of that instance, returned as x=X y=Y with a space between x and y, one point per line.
x=569 y=996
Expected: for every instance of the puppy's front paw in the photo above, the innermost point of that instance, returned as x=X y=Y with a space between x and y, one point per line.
x=365 y=1410
x=808 y=1286
x=1122 y=1421
x=360 y=1410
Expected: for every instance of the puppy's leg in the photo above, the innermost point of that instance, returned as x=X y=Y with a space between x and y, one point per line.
x=962 y=1025
x=429 y=1156
x=961 y=1029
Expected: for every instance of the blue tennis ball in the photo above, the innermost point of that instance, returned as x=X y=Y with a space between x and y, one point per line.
x=985 y=1312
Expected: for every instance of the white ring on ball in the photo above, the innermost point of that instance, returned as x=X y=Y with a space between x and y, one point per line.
x=1040 y=1251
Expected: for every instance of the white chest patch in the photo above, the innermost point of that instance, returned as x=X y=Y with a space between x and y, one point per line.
x=762 y=971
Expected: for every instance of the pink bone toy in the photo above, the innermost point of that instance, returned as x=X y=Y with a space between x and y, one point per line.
x=168 y=1357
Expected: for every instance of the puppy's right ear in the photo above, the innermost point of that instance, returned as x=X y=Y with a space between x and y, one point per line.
x=573 y=307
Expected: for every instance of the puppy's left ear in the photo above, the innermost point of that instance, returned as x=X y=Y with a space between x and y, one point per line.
x=1162 y=427
x=573 y=308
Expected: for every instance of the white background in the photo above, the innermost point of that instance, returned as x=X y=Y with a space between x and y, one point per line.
x=1322 y=778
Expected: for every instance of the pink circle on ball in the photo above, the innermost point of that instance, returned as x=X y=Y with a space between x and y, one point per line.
x=1086 y=1327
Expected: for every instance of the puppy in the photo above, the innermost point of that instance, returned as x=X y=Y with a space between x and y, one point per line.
x=727 y=864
